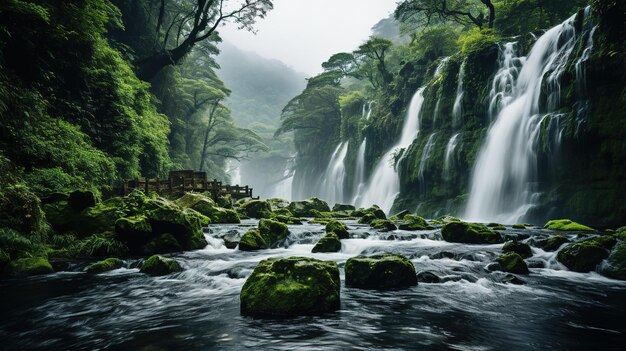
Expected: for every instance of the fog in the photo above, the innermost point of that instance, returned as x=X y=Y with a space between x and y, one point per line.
x=304 y=33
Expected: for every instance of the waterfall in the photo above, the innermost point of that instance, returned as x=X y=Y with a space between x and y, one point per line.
x=332 y=182
x=233 y=169
x=450 y=148
x=504 y=179
x=425 y=156
x=359 y=176
x=384 y=184
x=283 y=189
x=437 y=72
x=457 y=108
x=367 y=110
x=503 y=85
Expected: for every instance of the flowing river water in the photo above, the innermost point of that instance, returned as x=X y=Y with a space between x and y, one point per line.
x=198 y=309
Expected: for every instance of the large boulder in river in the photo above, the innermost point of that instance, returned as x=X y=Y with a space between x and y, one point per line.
x=328 y=243
x=158 y=265
x=384 y=271
x=343 y=207
x=413 y=222
x=338 y=228
x=518 y=247
x=374 y=211
x=553 y=243
x=25 y=267
x=512 y=262
x=105 y=265
x=469 y=233
x=584 y=256
x=383 y=225
x=291 y=287
x=566 y=225
x=269 y=233
x=617 y=262
x=207 y=207
x=308 y=207
x=257 y=209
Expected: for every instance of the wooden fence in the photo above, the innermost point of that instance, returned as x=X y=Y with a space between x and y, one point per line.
x=186 y=184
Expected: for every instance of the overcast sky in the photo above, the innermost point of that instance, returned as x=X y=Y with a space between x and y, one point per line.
x=305 y=33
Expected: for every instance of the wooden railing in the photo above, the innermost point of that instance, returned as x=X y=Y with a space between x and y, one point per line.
x=181 y=185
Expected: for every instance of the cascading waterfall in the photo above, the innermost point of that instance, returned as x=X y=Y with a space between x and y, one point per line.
x=503 y=87
x=367 y=110
x=359 y=176
x=333 y=180
x=504 y=179
x=428 y=148
x=450 y=149
x=457 y=108
x=233 y=169
x=437 y=72
x=384 y=184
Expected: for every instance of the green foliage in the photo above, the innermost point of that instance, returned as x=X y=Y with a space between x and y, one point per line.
x=476 y=40
x=16 y=245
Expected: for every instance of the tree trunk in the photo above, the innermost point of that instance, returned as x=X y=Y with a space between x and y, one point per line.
x=492 y=11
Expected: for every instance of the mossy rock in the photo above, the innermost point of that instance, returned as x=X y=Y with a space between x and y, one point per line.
x=449 y=219
x=385 y=271
x=163 y=243
x=104 y=266
x=278 y=204
x=413 y=222
x=384 y=225
x=223 y=215
x=134 y=232
x=291 y=287
x=158 y=265
x=367 y=218
x=20 y=210
x=97 y=219
x=343 y=207
x=584 y=256
x=617 y=262
x=184 y=226
x=553 y=243
x=191 y=200
x=282 y=212
x=338 y=228
x=519 y=248
x=225 y=201
x=81 y=199
x=307 y=207
x=328 y=243
x=25 y=267
x=287 y=219
x=494 y=225
x=207 y=207
x=400 y=215
x=267 y=236
x=374 y=210
x=566 y=225
x=518 y=226
x=469 y=233
x=257 y=209
x=512 y=262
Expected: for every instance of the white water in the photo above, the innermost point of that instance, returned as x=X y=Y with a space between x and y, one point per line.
x=504 y=180
x=367 y=110
x=503 y=87
x=333 y=180
x=359 y=177
x=233 y=169
x=450 y=149
x=428 y=148
x=457 y=108
x=284 y=188
x=384 y=184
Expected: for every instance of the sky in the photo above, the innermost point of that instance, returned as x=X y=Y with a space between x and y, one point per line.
x=305 y=33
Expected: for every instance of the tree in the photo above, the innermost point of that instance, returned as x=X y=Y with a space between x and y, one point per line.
x=192 y=22
x=374 y=52
x=464 y=12
x=343 y=62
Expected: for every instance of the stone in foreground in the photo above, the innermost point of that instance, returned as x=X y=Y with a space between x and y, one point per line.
x=25 y=267
x=158 y=265
x=584 y=256
x=292 y=286
x=338 y=228
x=518 y=247
x=469 y=233
x=328 y=243
x=104 y=266
x=386 y=271
x=512 y=262
x=566 y=225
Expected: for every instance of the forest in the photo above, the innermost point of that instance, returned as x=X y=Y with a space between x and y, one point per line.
x=465 y=159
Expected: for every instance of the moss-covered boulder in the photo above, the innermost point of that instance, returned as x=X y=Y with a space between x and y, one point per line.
x=158 y=265
x=400 y=215
x=383 y=225
x=21 y=210
x=367 y=218
x=207 y=207
x=81 y=199
x=385 y=271
x=374 y=210
x=277 y=204
x=617 y=262
x=307 y=207
x=338 y=228
x=287 y=219
x=511 y=262
x=182 y=225
x=25 y=267
x=343 y=207
x=134 y=232
x=469 y=233
x=291 y=287
x=106 y=265
x=328 y=243
x=269 y=234
x=553 y=243
x=413 y=222
x=162 y=243
x=566 y=225
x=97 y=219
x=519 y=248
x=518 y=226
x=257 y=209
x=225 y=201
x=584 y=256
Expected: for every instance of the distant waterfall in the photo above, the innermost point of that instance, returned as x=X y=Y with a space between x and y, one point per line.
x=504 y=179
x=359 y=175
x=333 y=180
x=449 y=159
x=457 y=108
x=233 y=169
x=430 y=143
x=367 y=110
x=384 y=184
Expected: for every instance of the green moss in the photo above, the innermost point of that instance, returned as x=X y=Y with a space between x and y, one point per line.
x=554 y=242
x=339 y=228
x=519 y=248
x=101 y=246
x=413 y=222
x=104 y=266
x=257 y=209
x=367 y=218
x=342 y=207
x=309 y=208
x=158 y=265
x=584 y=256
x=20 y=210
x=511 y=262
x=291 y=287
x=287 y=219
x=383 y=225
x=518 y=226
x=163 y=243
x=567 y=225
x=328 y=243
x=469 y=233
x=617 y=262
x=384 y=271
x=25 y=267
x=252 y=240
x=282 y=212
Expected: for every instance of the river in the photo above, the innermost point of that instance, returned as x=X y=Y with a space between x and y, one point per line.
x=198 y=309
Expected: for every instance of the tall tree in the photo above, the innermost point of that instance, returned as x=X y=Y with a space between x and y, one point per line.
x=465 y=12
x=374 y=52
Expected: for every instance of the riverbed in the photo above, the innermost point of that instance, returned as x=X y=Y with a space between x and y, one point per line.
x=198 y=309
